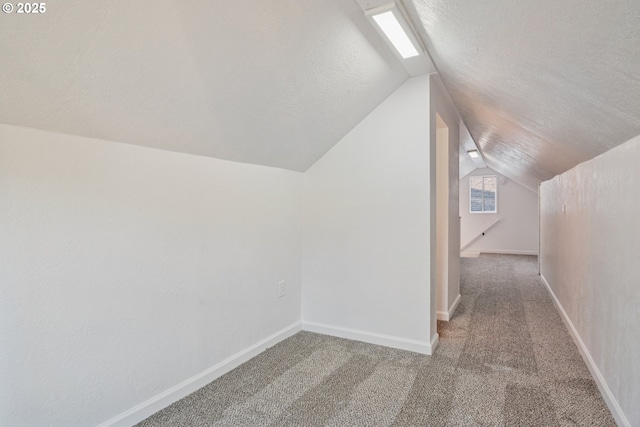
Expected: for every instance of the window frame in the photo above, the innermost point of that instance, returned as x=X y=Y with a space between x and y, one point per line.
x=495 y=177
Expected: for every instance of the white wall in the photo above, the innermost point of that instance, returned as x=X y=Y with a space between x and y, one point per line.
x=366 y=262
x=517 y=233
x=449 y=296
x=442 y=217
x=126 y=270
x=590 y=241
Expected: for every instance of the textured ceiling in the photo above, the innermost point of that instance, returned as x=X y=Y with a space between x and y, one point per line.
x=276 y=83
x=468 y=164
x=542 y=85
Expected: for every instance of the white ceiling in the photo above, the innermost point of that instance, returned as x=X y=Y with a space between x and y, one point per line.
x=542 y=85
x=467 y=164
x=276 y=83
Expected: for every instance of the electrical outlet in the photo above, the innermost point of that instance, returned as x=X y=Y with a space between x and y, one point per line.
x=281 y=289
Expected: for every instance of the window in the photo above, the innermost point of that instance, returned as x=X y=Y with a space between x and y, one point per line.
x=483 y=194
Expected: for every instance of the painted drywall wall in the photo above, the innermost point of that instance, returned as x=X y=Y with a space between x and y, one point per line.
x=442 y=106
x=126 y=270
x=590 y=241
x=442 y=216
x=366 y=256
x=516 y=233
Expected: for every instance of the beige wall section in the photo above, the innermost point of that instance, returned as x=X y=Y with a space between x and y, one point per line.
x=441 y=105
x=590 y=241
x=442 y=215
x=517 y=231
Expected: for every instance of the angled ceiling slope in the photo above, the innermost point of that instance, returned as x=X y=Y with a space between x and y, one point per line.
x=276 y=83
x=541 y=85
x=468 y=164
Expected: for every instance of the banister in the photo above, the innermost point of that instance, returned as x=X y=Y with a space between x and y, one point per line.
x=481 y=233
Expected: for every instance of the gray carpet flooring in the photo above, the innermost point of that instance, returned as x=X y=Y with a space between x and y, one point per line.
x=505 y=359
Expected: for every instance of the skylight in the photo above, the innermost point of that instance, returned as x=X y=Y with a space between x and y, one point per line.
x=392 y=29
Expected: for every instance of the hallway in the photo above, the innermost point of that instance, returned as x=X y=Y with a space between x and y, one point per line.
x=504 y=359
x=516 y=362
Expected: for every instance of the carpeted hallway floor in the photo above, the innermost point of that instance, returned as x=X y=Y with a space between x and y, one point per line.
x=505 y=359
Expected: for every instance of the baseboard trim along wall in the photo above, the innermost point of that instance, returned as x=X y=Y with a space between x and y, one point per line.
x=608 y=397
x=177 y=392
x=504 y=251
x=372 y=337
x=469 y=254
x=447 y=315
x=435 y=340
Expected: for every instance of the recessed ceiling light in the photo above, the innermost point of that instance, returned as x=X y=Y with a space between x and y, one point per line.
x=391 y=23
x=473 y=154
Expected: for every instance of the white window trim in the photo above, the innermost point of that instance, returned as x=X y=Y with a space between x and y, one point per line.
x=497 y=184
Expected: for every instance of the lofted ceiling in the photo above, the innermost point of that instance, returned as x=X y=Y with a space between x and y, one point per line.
x=542 y=85
x=468 y=164
x=276 y=83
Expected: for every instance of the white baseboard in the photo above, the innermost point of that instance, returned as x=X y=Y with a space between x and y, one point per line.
x=446 y=315
x=469 y=254
x=372 y=337
x=177 y=392
x=505 y=251
x=435 y=341
x=606 y=393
